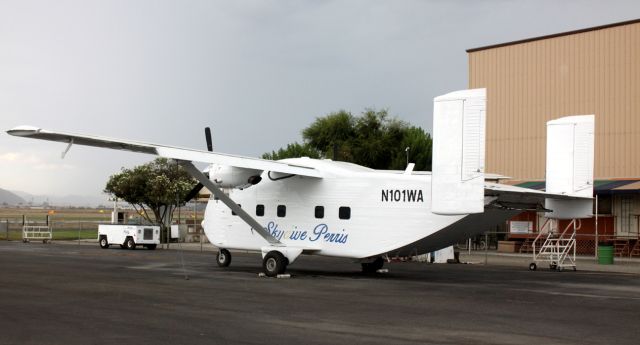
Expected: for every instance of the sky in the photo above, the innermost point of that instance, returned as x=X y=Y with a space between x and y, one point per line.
x=256 y=72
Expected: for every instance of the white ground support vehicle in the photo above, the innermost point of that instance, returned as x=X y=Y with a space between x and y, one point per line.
x=128 y=236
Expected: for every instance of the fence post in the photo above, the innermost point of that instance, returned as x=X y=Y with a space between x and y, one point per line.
x=486 y=248
x=595 y=246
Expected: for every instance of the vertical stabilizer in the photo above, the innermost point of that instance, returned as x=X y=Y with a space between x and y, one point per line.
x=570 y=145
x=457 y=181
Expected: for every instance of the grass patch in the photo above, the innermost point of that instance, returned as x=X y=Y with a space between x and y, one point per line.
x=75 y=235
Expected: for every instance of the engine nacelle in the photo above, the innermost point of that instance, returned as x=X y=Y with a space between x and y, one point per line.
x=232 y=177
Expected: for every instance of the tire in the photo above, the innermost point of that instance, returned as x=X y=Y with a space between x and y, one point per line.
x=223 y=258
x=129 y=243
x=533 y=266
x=274 y=263
x=372 y=267
x=104 y=244
x=151 y=246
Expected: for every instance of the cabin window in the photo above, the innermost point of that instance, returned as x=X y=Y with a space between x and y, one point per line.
x=259 y=210
x=344 y=212
x=233 y=213
x=319 y=212
x=282 y=211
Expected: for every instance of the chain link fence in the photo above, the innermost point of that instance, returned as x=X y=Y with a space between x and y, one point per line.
x=586 y=244
x=11 y=229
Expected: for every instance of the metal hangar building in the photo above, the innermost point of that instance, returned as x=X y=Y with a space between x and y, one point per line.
x=590 y=71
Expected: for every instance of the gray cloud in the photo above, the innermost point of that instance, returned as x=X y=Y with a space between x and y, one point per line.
x=256 y=71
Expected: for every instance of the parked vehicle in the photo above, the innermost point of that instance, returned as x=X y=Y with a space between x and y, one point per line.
x=128 y=236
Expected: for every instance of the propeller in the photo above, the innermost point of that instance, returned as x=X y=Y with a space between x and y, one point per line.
x=207 y=135
x=194 y=192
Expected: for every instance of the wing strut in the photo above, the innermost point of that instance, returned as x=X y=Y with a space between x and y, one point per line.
x=218 y=193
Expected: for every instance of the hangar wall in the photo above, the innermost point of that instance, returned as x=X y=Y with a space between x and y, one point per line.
x=591 y=71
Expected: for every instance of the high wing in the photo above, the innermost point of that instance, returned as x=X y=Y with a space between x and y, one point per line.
x=185 y=157
x=177 y=153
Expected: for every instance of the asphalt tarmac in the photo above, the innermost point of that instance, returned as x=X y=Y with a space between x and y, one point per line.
x=79 y=294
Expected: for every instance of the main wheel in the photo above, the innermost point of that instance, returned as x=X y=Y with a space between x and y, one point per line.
x=274 y=263
x=372 y=267
x=533 y=266
x=104 y=244
x=223 y=258
x=129 y=244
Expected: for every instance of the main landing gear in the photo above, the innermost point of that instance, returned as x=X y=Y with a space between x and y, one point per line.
x=274 y=262
x=372 y=267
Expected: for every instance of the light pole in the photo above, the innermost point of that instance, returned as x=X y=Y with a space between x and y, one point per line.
x=407 y=151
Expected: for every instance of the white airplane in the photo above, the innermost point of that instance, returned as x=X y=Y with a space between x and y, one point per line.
x=322 y=207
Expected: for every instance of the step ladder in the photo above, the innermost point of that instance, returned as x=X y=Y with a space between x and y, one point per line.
x=621 y=248
x=635 y=251
x=556 y=248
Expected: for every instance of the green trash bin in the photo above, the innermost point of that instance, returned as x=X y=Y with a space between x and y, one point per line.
x=605 y=255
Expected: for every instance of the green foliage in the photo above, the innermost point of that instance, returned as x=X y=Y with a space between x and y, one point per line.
x=158 y=187
x=419 y=143
x=293 y=151
x=373 y=139
x=334 y=129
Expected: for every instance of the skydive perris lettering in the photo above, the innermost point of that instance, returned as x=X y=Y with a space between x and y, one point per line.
x=319 y=233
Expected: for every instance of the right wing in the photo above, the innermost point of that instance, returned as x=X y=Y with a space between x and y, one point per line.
x=165 y=151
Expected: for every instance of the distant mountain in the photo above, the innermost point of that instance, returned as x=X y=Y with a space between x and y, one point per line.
x=65 y=200
x=10 y=198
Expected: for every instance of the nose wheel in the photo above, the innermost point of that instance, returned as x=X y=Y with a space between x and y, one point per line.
x=223 y=258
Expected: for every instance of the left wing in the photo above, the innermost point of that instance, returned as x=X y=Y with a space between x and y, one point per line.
x=165 y=151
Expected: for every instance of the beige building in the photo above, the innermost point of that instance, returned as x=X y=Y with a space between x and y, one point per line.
x=590 y=71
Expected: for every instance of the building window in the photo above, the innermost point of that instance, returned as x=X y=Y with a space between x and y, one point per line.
x=604 y=205
x=259 y=210
x=282 y=211
x=233 y=213
x=344 y=212
x=319 y=212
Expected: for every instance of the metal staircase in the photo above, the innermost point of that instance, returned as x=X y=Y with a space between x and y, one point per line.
x=558 y=249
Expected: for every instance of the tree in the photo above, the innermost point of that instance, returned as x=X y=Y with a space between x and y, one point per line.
x=154 y=190
x=292 y=151
x=332 y=133
x=419 y=143
x=373 y=139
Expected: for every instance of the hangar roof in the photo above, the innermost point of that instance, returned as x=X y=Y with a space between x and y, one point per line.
x=554 y=35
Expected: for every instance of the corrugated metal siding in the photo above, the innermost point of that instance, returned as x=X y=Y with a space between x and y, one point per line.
x=593 y=72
